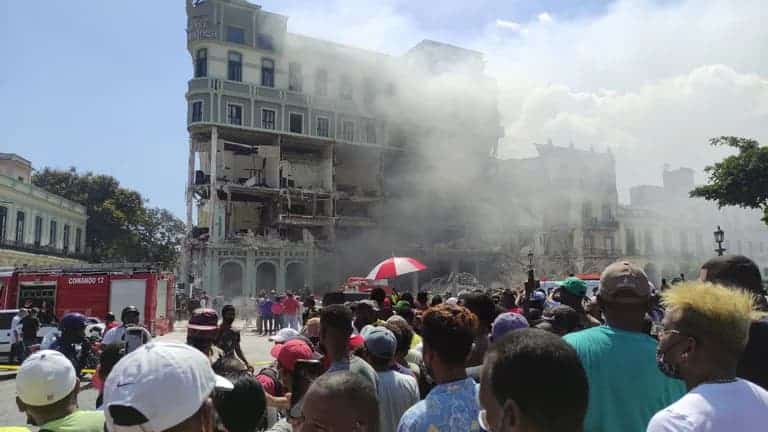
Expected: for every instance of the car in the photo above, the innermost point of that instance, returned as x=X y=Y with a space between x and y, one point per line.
x=6 y=317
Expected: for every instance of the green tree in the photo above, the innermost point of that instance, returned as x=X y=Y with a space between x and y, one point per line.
x=740 y=179
x=119 y=226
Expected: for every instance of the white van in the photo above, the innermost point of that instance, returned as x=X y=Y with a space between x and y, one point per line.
x=6 y=316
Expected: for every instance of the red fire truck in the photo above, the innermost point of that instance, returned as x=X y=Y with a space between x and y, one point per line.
x=94 y=290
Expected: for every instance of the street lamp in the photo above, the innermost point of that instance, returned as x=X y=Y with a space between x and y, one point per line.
x=719 y=239
x=531 y=284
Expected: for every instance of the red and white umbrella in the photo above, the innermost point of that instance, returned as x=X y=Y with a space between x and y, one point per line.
x=394 y=267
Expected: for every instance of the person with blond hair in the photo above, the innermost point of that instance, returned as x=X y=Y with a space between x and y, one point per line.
x=704 y=333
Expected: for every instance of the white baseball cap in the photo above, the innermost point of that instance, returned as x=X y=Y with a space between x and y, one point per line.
x=284 y=335
x=44 y=378
x=166 y=382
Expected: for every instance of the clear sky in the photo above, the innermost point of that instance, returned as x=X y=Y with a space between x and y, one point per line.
x=99 y=85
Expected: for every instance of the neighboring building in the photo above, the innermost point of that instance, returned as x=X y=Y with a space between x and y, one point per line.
x=305 y=154
x=36 y=227
x=561 y=205
x=671 y=233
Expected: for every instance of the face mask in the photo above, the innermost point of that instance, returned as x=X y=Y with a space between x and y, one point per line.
x=669 y=369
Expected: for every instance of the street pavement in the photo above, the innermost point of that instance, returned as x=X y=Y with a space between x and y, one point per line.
x=255 y=348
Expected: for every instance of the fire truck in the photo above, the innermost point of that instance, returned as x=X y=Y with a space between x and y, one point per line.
x=363 y=285
x=94 y=290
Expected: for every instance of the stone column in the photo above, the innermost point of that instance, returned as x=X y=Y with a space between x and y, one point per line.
x=281 y=269
x=250 y=273
x=213 y=201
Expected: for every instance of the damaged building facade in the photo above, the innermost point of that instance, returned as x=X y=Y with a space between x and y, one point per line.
x=307 y=158
x=310 y=161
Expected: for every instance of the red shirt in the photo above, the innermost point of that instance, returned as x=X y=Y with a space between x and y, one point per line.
x=277 y=309
x=290 y=305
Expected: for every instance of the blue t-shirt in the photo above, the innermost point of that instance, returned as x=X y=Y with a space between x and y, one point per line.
x=266 y=308
x=626 y=387
x=449 y=407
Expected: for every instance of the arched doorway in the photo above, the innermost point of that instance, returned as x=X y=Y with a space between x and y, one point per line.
x=294 y=277
x=266 y=278
x=231 y=277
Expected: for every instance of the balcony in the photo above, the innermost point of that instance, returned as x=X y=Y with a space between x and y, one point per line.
x=237 y=88
x=600 y=252
x=303 y=220
x=355 y=222
x=40 y=250
x=600 y=224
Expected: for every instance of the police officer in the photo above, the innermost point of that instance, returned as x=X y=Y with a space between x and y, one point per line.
x=72 y=341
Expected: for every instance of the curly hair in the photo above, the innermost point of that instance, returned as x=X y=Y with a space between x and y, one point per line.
x=449 y=331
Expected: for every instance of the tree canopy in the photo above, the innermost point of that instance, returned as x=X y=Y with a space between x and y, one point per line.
x=119 y=227
x=740 y=179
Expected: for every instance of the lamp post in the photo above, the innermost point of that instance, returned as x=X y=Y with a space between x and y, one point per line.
x=531 y=284
x=719 y=239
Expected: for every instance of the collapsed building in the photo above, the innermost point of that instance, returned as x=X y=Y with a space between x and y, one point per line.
x=310 y=161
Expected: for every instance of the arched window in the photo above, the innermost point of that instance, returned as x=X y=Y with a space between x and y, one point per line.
x=201 y=63
x=235 y=66
x=267 y=72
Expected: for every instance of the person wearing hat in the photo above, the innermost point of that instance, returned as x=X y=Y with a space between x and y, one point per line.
x=560 y=320
x=703 y=335
x=46 y=391
x=130 y=332
x=396 y=392
x=159 y=387
x=626 y=387
x=740 y=272
x=284 y=335
x=202 y=331
x=572 y=292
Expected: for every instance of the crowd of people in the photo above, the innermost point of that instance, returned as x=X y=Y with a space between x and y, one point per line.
x=689 y=357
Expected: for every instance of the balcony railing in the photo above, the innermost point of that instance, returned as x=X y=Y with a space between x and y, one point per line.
x=595 y=223
x=41 y=250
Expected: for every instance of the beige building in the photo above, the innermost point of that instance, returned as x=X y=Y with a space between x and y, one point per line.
x=310 y=160
x=36 y=227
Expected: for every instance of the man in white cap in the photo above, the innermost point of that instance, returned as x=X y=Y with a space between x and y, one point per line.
x=162 y=387
x=47 y=388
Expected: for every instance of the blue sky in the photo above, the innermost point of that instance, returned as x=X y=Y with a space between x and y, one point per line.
x=99 y=85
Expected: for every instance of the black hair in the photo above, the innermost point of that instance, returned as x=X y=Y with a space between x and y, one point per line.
x=337 y=317
x=354 y=391
x=422 y=296
x=407 y=315
x=543 y=375
x=242 y=409
x=564 y=319
x=449 y=331
x=436 y=300
x=734 y=271
x=378 y=294
x=481 y=304
x=110 y=355
x=227 y=308
x=403 y=333
x=407 y=297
